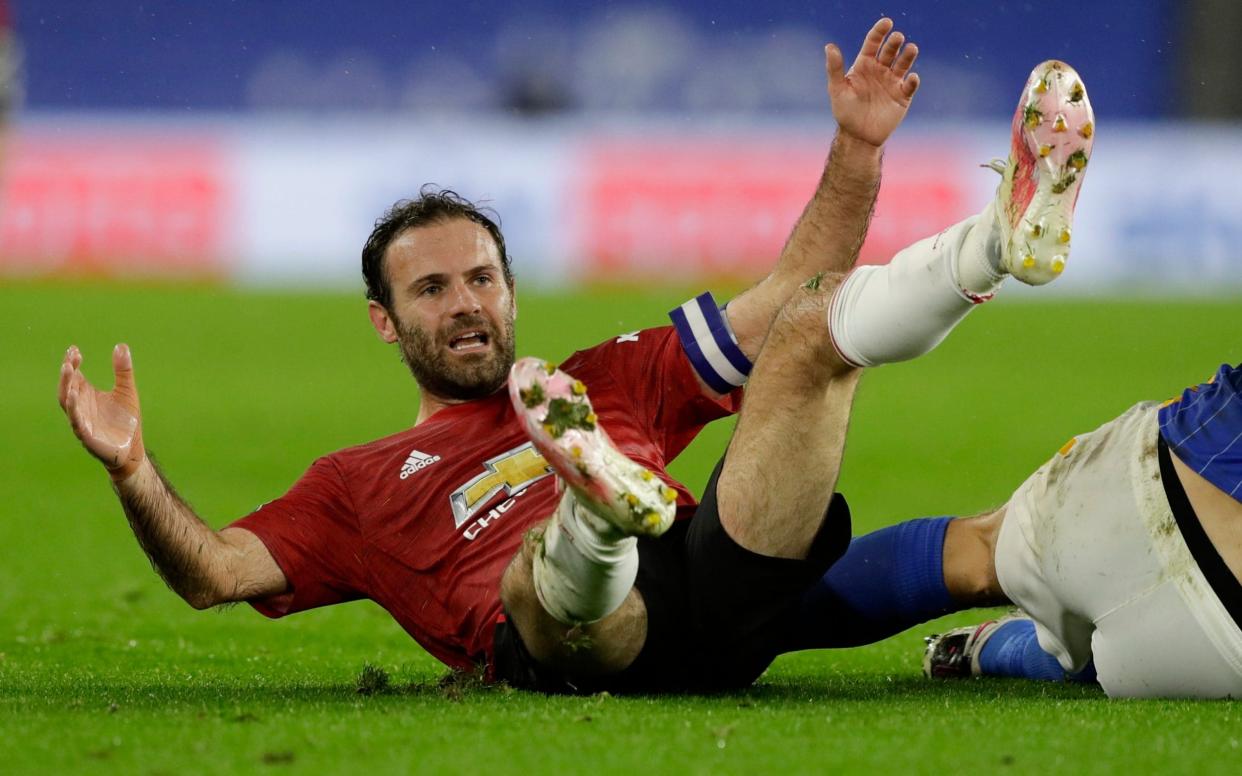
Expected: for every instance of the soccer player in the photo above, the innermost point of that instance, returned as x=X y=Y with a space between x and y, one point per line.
x=430 y=522
x=1124 y=553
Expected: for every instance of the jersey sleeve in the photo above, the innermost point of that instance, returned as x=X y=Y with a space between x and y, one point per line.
x=312 y=533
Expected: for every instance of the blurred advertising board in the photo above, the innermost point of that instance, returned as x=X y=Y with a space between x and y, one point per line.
x=684 y=208
x=105 y=204
x=292 y=202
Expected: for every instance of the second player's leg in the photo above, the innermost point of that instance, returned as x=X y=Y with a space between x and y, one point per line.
x=897 y=577
x=969 y=560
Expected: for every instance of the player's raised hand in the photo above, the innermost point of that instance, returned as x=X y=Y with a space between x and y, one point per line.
x=872 y=98
x=109 y=423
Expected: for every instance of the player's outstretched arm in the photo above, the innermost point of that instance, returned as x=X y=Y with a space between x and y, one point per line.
x=869 y=101
x=201 y=565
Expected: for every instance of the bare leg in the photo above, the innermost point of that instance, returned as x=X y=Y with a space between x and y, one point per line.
x=602 y=647
x=785 y=456
x=970 y=560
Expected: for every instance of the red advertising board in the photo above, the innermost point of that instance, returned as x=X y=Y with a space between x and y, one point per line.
x=684 y=208
x=128 y=204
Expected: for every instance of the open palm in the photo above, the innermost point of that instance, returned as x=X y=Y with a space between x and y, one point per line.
x=108 y=423
x=872 y=98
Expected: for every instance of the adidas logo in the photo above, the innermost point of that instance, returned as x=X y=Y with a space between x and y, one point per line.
x=417 y=462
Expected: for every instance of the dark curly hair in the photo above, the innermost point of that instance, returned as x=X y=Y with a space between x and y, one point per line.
x=433 y=206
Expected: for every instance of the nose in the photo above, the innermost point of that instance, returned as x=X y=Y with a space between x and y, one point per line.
x=465 y=301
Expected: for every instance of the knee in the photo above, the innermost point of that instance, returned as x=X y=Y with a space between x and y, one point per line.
x=802 y=323
x=808 y=305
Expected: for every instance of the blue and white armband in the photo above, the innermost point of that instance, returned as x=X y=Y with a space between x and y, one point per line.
x=710 y=344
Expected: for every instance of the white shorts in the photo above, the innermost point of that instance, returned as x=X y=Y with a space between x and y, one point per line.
x=1090 y=549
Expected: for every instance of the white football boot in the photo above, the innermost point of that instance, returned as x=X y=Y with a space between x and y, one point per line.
x=558 y=418
x=1053 y=130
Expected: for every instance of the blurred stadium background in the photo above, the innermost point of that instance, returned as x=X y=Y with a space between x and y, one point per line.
x=257 y=142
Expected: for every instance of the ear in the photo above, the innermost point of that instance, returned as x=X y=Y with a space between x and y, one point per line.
x=384 y=325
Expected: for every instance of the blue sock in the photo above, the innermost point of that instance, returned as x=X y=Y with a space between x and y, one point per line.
x=1014 y=651
x=887 y=581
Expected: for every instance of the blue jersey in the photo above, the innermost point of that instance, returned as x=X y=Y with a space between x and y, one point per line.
x=1204 y=428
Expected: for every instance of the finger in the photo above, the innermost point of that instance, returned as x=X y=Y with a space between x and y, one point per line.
x=888 y=52
x=70 y=378
x=906 y=60
x=123 y=367
x=871 y=43
x=910 y=85
x=77 y=420
x=835 y=64
x=75 y=356
x=62 y=386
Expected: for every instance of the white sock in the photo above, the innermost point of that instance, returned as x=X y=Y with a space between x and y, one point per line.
x=584 y=569
x=901 y=310
x=977 y=266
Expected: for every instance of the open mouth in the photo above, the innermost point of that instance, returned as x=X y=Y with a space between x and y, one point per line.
x=469 y=341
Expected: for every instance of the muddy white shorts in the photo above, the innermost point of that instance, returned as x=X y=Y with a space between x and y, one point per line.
x=1091 y=549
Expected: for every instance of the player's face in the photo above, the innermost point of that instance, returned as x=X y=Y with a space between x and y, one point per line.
x=453 y=311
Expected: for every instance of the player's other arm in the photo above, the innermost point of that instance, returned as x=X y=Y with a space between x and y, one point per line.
x=203 y=566
x=868 y=102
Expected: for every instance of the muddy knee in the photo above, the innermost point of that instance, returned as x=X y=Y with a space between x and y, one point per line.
x=801 y=326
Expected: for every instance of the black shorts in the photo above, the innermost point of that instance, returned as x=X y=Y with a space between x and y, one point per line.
x=717 y=613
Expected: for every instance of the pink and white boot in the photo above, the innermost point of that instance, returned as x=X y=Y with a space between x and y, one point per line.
x=1053 y=128
x=557 y=414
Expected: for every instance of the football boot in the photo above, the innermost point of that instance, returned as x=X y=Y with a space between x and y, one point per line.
x=1052 y=133
x=955 y=653
x=556 y=412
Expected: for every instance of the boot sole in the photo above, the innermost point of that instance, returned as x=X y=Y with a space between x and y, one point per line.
x=1058 y=128
x=558 y=417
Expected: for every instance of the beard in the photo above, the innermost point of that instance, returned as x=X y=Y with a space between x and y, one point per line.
x=445 y=376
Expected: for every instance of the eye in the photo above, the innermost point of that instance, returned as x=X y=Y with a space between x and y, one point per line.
x=483 y=280
x=430 y=289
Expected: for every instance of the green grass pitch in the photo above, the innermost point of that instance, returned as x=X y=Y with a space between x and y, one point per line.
x=103 y=670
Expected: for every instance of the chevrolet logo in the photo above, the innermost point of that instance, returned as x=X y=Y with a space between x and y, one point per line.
x=510 y=472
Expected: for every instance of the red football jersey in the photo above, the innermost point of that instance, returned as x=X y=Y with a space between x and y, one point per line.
x=424 y=522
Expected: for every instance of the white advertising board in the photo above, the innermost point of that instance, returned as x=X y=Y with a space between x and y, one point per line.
x=291 y=202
